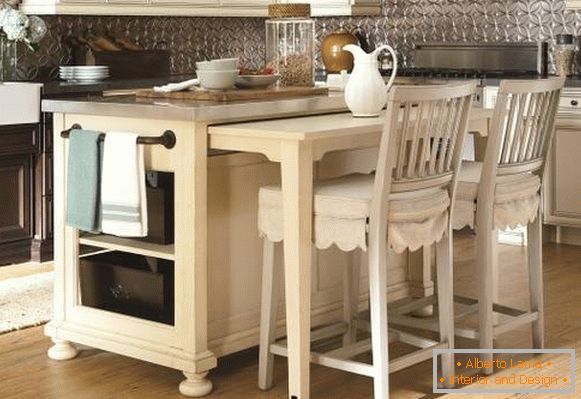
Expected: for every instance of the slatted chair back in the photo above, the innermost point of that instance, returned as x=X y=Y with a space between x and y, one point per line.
x=422 y=140
x=521 y=133
x=523 y=125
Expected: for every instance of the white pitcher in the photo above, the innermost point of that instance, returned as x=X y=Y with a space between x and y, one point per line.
x=366 y=91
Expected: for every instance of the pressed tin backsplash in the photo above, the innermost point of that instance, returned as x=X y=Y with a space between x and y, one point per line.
x=402 y=24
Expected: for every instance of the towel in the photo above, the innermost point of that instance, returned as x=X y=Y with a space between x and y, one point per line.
x=83 y=180
x=123 y=200
x=187 y=84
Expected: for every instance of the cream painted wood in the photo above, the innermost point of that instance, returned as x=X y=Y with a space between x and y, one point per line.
x=446 y=113
x=201 y=8
x=521 y=133
x=184 y=345
x=562 y=187
x=297 y=186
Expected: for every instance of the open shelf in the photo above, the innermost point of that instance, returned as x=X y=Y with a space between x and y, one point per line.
x=129 y=245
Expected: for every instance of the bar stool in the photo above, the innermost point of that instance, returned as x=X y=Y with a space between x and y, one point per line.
x=505 y=191
x=408 y=200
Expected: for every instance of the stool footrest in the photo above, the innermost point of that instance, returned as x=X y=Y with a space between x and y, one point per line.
x=339 y=358
x=325 y=332
x=516 y=322
x=518 y=317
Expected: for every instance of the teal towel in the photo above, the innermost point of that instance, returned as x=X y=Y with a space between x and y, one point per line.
x=84 y=180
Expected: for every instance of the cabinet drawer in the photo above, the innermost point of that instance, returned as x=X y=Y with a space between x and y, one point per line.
x=19 y=139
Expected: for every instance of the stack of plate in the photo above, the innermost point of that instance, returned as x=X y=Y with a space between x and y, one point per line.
x=84 y=74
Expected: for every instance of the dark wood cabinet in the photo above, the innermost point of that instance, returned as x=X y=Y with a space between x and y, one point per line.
x=19 y=145
x=42 y=243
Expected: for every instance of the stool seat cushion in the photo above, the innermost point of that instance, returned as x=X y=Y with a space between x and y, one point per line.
x=341 y=211
x=516 y=199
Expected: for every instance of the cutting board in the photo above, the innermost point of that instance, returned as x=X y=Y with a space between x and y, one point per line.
x=237 y=94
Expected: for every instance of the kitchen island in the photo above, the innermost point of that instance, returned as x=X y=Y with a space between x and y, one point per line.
x=216 y=253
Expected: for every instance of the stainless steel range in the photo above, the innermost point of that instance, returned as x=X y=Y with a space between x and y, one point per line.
x=487 y=62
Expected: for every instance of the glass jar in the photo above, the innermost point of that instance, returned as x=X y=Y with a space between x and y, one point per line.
x=290 y=44
x=564 y=55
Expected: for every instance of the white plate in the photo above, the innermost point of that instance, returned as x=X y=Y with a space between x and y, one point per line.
x=83 y=76
x=84 y=67
x=85 y=73
x=90 y=73
x=255 y=81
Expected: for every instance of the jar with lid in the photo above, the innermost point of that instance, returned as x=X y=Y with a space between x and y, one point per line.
x=290 y=43
x=564 y=55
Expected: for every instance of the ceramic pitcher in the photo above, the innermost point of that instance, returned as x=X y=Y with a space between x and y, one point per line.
x=366 y=91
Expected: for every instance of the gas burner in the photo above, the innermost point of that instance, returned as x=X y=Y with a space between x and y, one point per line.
x=449 y=73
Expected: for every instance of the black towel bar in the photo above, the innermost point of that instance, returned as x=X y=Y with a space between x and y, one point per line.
x=167 y=139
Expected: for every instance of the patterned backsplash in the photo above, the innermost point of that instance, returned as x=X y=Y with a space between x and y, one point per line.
x=402 y=24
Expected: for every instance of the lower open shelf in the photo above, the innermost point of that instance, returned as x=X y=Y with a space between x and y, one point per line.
x=131 y=245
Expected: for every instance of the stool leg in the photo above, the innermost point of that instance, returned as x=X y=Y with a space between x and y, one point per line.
x=271 y=285
x=351 y=276
x=445 y=279
x=378 y=311
x=486 y=242
x=535 y=259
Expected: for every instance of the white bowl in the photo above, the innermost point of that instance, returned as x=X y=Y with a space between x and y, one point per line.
x=217 y=80
x=223 y=64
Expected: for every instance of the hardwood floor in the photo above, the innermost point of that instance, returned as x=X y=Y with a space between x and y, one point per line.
x=24 y=269
x=26 y=372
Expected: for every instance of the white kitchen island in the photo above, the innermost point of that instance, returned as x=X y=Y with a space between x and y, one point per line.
x=216 y=253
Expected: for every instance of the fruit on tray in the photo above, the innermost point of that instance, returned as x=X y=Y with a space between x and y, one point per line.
x=263 y=71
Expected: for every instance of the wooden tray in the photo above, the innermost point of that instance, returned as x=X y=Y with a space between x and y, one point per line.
x=237 y=94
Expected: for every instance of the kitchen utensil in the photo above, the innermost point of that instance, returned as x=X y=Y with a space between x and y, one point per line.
x=188 y=84
x=217 y=80
x=256 y=81
x=334 y=57
x=366 y=91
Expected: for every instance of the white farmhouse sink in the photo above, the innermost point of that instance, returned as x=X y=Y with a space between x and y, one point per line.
x=19 y=103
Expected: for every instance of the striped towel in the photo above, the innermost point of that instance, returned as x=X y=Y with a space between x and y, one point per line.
x=123 y=200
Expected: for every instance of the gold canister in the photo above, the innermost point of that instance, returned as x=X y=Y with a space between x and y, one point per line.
x=334 y=57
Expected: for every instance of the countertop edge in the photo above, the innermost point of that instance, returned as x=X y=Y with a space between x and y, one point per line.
x=126 y=106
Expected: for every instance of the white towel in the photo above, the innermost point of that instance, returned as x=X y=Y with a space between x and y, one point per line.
x=123 y=200
x=168 y=88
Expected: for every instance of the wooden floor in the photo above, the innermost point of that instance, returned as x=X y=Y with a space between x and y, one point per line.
x=26 y=372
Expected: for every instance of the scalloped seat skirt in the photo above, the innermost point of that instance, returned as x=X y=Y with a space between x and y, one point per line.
x=341 y=212
x=516 y=200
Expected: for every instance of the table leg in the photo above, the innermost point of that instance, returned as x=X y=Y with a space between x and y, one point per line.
x=190 y=266
x=297 y=188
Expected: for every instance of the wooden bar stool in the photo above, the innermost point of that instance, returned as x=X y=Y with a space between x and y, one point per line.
x=505 y=191
x=408 y=201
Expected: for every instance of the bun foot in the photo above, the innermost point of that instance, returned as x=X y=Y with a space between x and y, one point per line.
x=195 y=385
x=62 y=350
